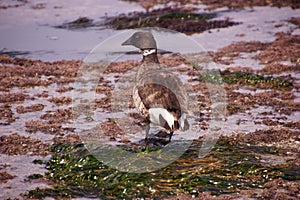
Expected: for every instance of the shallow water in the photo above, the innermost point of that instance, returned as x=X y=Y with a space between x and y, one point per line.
x=30 y=33
x=21 y=167
x=258 y=24
x=18 y=126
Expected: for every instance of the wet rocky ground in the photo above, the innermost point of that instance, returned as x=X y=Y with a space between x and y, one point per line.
x=257 y=157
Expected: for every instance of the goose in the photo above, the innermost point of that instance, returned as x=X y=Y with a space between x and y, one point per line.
x=158 y=94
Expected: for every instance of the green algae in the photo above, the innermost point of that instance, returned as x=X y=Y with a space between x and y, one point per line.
x=244 y=78
x=76 y=173
x=38 y=161
x=79 y=23
x=35 y=176
x=177 y=19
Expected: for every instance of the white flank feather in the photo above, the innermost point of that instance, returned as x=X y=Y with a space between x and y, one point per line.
x=155 y=114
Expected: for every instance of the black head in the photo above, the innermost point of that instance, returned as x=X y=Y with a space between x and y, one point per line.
x=141 y=40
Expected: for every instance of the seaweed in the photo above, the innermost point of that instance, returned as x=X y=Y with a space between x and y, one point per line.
x=177 y=19
x=229 y=166
x=79 y=23
x=244 y=78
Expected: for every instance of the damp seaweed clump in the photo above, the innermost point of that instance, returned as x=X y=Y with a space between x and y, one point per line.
x=79 y=23
x=214 y=4
x=174 y=18
x=244 y=78
x=229 y=167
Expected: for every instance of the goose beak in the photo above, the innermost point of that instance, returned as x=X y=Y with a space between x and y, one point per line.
x=127 y=42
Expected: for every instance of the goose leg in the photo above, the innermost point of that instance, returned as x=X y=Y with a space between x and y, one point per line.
x=171 y=135
x=147 y=132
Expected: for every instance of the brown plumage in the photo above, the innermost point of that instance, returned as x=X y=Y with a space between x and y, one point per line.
x=157 y=94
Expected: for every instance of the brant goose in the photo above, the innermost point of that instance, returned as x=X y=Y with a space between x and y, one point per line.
x=158 y=94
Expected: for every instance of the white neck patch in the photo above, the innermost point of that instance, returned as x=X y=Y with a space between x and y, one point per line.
x=147 y=52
